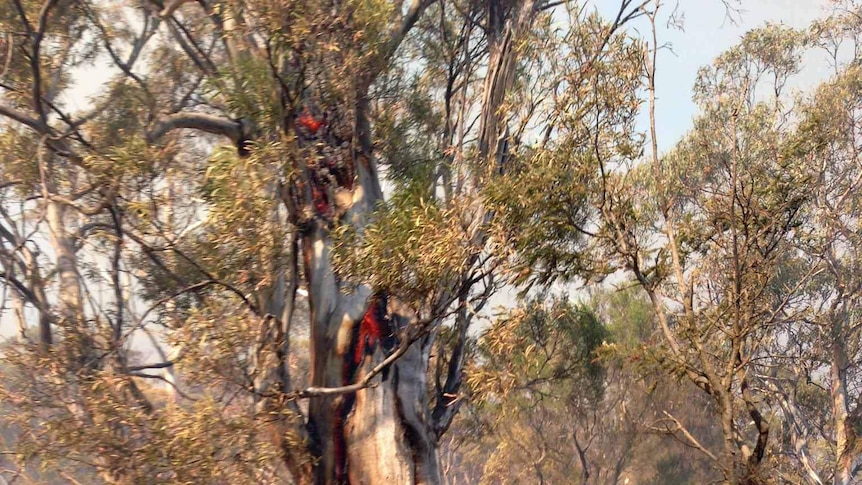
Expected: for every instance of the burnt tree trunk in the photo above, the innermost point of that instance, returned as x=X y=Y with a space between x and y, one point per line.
x=378 y=434
x=384 y=433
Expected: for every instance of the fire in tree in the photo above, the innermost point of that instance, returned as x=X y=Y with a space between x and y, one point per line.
x=329 y=164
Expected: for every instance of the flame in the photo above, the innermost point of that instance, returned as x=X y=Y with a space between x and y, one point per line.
x=313 y=124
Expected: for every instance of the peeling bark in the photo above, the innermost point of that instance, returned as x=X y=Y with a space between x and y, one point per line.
x=380 y=433
x=847 y=449
x=63 y=243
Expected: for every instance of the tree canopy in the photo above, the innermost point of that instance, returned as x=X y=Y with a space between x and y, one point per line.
x=272 y=246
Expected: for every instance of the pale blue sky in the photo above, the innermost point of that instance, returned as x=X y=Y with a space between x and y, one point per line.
x=707 y=34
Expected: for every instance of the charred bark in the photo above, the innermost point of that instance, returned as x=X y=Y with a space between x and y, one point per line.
x=377 y=434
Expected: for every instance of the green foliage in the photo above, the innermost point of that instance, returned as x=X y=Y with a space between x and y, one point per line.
x=535 y=370
x=129 y=162
x=247 y=93
x=406 y=130
x=629 y=315
x=541 y=350
x=545 y=204
x=209 y=441
x=414 y=248
x=744 y=239
x=243 y=235
x=768 y=55
x=541 y=213
x=18 y=149
x=126 y=108
x=371 y=21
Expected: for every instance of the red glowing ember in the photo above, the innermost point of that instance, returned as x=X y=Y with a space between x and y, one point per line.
x=313 y=124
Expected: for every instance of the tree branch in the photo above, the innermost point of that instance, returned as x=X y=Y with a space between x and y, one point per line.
x=160 y=365
x=20 y=287
x=147 y=32
x=191 y=48
x=691 y=440
x=360 y=384
x=231 y=129
x=34 y=58
x=402 y=24
x=161 y=378
x=22 y=118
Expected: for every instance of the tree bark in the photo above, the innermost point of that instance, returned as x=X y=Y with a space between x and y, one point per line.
x=504 y=28
x=71 y=308
x=379 y=434
x=847 y=452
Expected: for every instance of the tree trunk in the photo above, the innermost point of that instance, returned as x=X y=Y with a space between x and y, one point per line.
x=847 y=450
x=70 y=310
x=378 y=435
x=390 y=440
x=63 y=243
x=505 y=28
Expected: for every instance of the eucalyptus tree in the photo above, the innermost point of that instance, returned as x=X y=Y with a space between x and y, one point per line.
x=707 y=231
x=817 y=391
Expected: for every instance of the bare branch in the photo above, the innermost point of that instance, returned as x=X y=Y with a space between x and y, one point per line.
x=229 y=128
x=20 y=287
x=161 y=378
x=691 y=440
x=191 y=48
x=147 y=32
x=160 y=365
x=402 y=24
x=359 y=385
x=58 y=144
x=22 y=118
x=199 y=286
